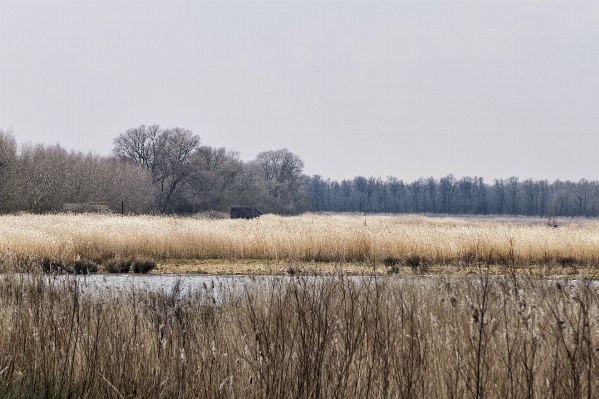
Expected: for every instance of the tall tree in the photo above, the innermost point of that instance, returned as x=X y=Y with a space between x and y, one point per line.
x=467 y=186
x=169 y=155
x=448 y=187
x=397 y=190
x=282 y=173
x=215 y=183
x=431 y=191
x=8 y=162
x=513 y=189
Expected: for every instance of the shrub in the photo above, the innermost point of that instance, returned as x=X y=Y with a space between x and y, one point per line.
x=417 y=264
x=143 y=266
x=118 y=266
x=50 y=265
x=391 y=261
x=566 y=261
x=82 y=267
x=393 y=264
x=393 y=270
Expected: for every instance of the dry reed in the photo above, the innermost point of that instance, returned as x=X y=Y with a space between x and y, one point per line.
x=301 y=337
x=307 y=238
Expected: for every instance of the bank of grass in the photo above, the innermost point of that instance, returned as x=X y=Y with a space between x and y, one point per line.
x=263 y=267
x=257 y=268
x=478 y=336
x=417 y=242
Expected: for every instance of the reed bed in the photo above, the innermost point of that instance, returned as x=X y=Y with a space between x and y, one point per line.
x=306 y=238
x=301 y=337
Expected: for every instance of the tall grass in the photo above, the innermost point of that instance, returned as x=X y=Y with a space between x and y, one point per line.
x=301 y=337
x=320 y=238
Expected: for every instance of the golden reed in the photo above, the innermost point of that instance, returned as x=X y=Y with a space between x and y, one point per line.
x=306 y=238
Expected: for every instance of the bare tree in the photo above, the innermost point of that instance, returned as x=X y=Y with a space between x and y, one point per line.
x=139 y=145
x=372 y=186
x=250 y=188
x=8 y=156
x=448 y=187
x=170 y=155
x=317 y=188
x=121 y=183
x=43 y=178
x=360 y=184
x=581 y=191
x=175 y=164
x=397 y=189
x=500 y=193
x=416 y=188
x=481 y=190
x=531 y=191
x=431 y=190
x=563 y=193
x=513 y=189
x=467 y=186
x=544 y=192
x=215 y=184
x=282 y=173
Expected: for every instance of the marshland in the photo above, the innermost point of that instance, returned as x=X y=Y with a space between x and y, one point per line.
x=422 y=176
x=331 y=336
x=354 y=243
x=354 y=306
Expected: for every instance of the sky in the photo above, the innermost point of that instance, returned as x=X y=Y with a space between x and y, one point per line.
x=398 y=88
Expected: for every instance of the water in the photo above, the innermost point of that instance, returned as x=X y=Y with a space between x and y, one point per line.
x=182 y=284
x=179 y=284
x=160 y=282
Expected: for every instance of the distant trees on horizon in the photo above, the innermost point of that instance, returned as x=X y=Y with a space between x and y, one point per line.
x=447 y=195
x=169 y=171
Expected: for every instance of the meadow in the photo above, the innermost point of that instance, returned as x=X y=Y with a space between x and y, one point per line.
x=326 y=241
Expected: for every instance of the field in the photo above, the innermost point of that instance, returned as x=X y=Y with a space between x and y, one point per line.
x=364 y=307
x=273 y=244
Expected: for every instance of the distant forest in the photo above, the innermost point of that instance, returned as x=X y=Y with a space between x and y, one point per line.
x=168 y=171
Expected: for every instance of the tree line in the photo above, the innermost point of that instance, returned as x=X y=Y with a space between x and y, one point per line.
x=151 y=170
x=156 y=170
x=448 y=195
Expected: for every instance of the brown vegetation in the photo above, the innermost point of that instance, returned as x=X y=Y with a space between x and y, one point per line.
x=333 y=337
x=416 y=242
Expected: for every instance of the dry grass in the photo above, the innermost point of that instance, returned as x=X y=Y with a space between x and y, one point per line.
x=337 y=239
x=491 y=335
x=260 y=267
x=301 y=337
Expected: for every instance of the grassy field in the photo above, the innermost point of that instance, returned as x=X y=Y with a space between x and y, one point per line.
x=273 y=243
x=301 y=337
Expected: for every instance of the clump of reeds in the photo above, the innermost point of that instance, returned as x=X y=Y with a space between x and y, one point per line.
x=306 y=238
x=337 y=336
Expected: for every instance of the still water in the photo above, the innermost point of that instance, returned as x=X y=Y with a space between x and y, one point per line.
x=167 y=283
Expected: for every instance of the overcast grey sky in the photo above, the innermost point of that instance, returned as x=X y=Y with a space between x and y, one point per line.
x=409 y=89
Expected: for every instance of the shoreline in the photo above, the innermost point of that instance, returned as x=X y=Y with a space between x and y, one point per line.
x=222 y=267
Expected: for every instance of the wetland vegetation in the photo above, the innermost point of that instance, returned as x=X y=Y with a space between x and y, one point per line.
x=332 y=336
x=353 y=243
x=443 y=307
